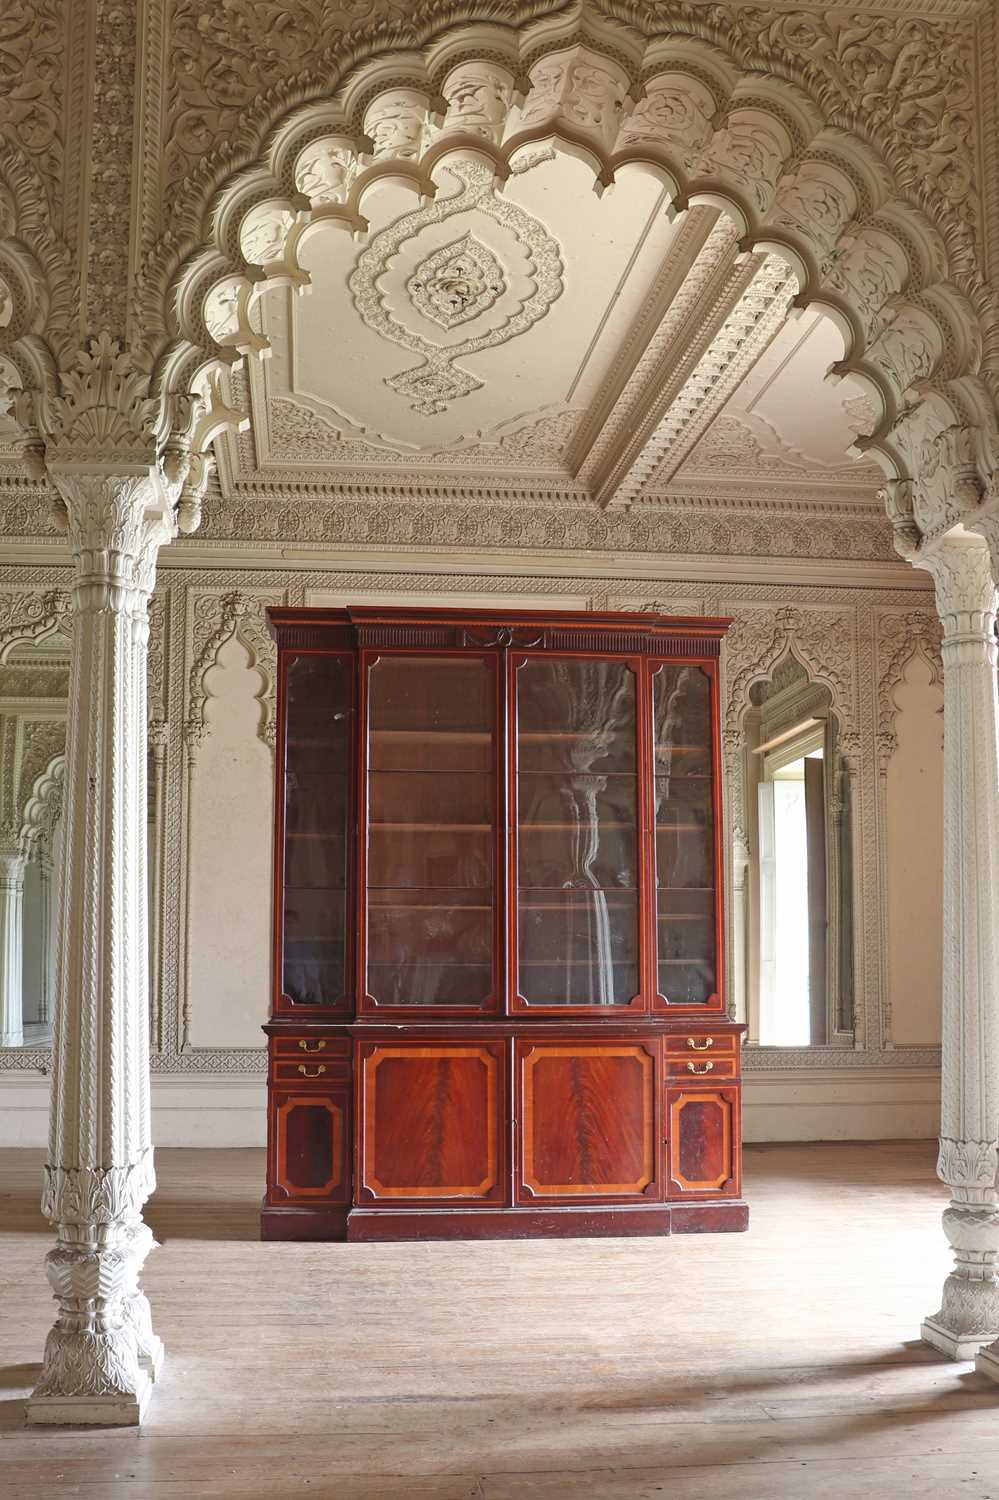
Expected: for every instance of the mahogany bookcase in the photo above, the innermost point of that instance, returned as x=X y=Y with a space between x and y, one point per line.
x=497 y=990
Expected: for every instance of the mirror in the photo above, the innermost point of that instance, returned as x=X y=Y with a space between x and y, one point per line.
x=34 y=687
x=796 y=882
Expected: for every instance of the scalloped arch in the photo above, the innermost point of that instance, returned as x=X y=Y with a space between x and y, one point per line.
x=883 y=250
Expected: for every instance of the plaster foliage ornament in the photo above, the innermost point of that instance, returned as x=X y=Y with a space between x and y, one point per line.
x=217 y=619
x=822 y=642
x=457 y=282
x=223 y=307
x=748 y=151
x=264 y=233
x=298 y=435
x=868 y=267
x=947 y=485
x=438 y=380
x=28 y=615
x=478 y=96
x=677 y=114
x=397 y=124
x=579 y=89
x=33 y=79
x=900 y=638
x=817 y=200
x=326 y=168
x=969 y=1164
x=104 y=408
x=907 y=347
x=44 y=740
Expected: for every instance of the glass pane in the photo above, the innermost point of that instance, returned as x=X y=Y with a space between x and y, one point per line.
x=431 y=834
x=577 y=834
x=684 y=840
x=317 y=800
x=578 y=947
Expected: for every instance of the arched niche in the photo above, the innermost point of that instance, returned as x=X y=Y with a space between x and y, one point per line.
x=792 y=962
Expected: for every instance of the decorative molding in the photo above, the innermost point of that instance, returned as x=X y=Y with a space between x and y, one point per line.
x=438 y=380
x=403 y=523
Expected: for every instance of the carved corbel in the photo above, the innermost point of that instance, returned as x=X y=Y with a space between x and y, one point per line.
x=896 y=496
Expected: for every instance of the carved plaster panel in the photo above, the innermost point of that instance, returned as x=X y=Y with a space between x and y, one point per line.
x=460 y=283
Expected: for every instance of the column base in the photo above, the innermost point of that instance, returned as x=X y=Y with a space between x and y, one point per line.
x=955 y=1346
x=151 y=1357
x=987 y=1362
x=92 y=1411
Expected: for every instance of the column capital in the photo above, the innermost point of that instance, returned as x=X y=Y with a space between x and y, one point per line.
x=960 y=565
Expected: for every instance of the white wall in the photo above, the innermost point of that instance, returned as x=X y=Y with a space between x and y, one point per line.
x=216 y=880
x=914 y=834
x=231 y=819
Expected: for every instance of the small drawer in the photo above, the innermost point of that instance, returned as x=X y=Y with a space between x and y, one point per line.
x=701 y=1067
x=301 y=1046
x=311 y=1070
x=694 y=1043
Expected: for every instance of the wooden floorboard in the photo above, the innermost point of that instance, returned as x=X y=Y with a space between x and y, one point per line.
x=781 y=1364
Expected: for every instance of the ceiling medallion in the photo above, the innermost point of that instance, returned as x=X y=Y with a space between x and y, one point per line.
x=457 y=284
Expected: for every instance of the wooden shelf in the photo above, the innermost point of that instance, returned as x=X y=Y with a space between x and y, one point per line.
x=454 y=736
x=432 y=827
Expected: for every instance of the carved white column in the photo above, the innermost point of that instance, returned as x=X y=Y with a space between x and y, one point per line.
x=102 y=1353
x=45 y=917
x=966 y=601
x=11 y=938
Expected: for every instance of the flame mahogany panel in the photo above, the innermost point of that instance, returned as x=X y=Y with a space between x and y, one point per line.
x=310 y=1131
x=703 y=1135
x=431 y=1121
x=587 y=1120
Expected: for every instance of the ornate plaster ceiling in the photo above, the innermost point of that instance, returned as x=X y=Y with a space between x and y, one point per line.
x=536 y=340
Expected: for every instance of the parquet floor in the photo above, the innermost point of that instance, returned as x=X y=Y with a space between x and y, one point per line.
x=777 y=1365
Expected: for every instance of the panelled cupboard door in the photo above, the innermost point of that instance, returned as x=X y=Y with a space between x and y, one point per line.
x=310 y=1145
x=431 y=1122
x=587 y=1121
x=703 y=1142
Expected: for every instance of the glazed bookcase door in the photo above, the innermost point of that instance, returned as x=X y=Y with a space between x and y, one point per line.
x=430 y=848
x=313 y=845
x=685 y=921
x=576 y=866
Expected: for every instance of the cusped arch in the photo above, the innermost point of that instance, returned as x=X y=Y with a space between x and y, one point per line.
x=220 y=619
x=26 y=617
x=44 y=804
x=776 y=154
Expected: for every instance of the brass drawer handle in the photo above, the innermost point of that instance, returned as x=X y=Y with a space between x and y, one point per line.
x=308 y=1072
x=704 y=1067
x=312 y=1046
x=697 y=1046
